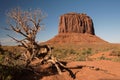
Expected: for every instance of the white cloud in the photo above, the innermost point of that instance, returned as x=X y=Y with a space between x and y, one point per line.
x=7 y=41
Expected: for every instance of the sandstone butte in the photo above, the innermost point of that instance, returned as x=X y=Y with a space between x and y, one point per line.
x=75 y=28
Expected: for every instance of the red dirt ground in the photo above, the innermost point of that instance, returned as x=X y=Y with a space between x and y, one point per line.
x=106 y=54
x=102 y=70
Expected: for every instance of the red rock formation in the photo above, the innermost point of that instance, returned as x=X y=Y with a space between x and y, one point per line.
x=75 y=38
x=75 y=28
x=76 y=23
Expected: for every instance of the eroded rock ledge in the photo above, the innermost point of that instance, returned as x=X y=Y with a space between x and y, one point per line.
x=76 y=23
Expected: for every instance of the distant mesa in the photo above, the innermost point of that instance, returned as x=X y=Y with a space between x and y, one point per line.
x=75 y=28
x=76 y=23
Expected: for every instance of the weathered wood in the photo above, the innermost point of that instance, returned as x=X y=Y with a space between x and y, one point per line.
x=27 y=24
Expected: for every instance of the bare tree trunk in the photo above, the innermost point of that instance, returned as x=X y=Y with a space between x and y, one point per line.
x=27 y=24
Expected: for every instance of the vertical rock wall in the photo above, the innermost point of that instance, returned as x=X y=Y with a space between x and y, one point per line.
x=76 y=23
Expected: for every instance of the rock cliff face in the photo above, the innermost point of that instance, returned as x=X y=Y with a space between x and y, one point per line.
x=75 y=28
x=76 y=23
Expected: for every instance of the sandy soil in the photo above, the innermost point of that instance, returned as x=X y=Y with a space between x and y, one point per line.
x=94 y=70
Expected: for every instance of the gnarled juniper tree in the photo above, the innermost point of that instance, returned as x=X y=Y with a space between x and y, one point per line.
x=28 y=24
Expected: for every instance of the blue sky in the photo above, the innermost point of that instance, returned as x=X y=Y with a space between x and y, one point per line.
x=105 y=15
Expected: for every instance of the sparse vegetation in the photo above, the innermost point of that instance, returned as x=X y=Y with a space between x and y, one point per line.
x=72 y=53
x=81 y=58
x=63 y=53
x=103 y=58
x=28 y=25
x=115 y=53
x=82 y=52
x=116 y=59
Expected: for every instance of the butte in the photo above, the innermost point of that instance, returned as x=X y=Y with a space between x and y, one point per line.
x=75 y=28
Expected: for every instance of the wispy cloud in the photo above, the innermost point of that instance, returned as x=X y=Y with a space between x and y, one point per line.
x=7 y=41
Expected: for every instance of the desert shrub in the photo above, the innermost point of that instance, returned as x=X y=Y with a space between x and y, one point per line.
x=62 y=53
x=9 y=65
x=83 y=54
x=103 y=58
x=10 y=55
x=1 y=58
x=87 y=51
x=10 y=72
x=72 y=51
x=1 y=50
x=115 y=53
x=116 y=59
x=81 y=58
x=5 y=73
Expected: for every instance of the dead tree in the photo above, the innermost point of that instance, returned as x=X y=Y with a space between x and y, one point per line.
x=27 y=24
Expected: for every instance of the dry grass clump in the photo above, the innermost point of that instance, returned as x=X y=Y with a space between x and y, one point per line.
x=83 y=51
x=70 y=53
x=115 y=53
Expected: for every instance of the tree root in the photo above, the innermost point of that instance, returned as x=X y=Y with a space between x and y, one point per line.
x=60 y=66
